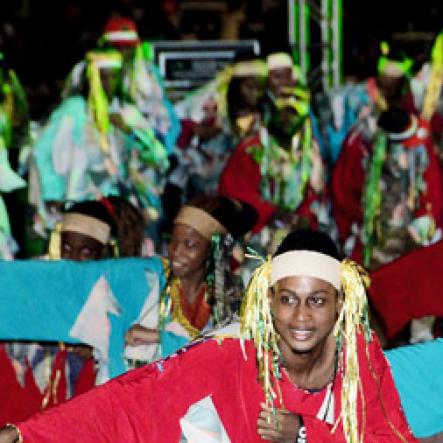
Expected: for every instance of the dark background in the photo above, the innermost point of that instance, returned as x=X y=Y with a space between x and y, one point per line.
x=43 y=39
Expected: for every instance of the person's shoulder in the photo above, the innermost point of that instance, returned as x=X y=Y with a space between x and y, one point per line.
x=72 y=105
x=216 y=348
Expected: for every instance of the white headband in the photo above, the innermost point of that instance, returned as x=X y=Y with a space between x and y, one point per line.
x=199 y=220
x=306 y=263
x=252 y=68
x=86 y=225
x=121 y=36
x=108 y=63
x=279 y=60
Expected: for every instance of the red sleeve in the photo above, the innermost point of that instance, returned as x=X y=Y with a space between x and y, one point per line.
x=241 y=180
x=386 y=420
x=143 y=406
x=432 y=199
x=146 y=405
x=347 y=185
x=400 y=295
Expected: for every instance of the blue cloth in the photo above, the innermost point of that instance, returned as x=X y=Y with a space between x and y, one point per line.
x=418 y=376
x=41 y=300
x=170 y=139
x=348 y=100
x=73 y=109
x=170 y=342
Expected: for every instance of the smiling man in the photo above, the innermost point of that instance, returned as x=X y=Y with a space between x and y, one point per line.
x=307 y=369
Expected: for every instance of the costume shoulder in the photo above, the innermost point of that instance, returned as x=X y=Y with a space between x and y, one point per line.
x=144 y=405
x=385 y=419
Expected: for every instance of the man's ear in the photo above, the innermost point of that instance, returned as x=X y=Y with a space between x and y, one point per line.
x=340 y=300
x=271 y=295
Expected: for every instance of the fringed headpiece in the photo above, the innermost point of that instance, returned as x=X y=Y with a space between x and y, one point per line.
x=250 y=68
x=257 y=324
x=436 y=79
x=391 y=67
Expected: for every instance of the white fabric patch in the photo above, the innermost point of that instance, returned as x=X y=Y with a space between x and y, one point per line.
x=203 y=424
x=326 y=412
x=92 y=325
x=149 y=319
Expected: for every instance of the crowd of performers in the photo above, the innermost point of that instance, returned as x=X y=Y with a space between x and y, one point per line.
x=214 y=248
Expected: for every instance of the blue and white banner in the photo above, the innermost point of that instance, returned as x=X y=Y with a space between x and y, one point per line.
x=92 y=302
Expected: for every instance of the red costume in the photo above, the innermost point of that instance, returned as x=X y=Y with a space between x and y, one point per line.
x=349 y=175
x=145 y=405
x=412 y=292
x=24 y=400
x=241 y=179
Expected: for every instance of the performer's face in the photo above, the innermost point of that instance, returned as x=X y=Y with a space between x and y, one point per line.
x=188 y=251
x=279 y=78
x=79 y=247
x=305 y=310
x=251 y=90
x=391 y=88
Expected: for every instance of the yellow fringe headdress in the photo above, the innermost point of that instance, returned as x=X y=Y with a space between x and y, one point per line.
x=436 y=80
x=97 y=99
x=257 y=324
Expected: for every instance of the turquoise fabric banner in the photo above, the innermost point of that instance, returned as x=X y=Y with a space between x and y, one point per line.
x=92 y=302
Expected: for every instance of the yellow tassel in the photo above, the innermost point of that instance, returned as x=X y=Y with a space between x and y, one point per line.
x=54 y=248
x=435 y=81
x=177 y=311
x=98 y=103
x=353 y=316
x=257 y=324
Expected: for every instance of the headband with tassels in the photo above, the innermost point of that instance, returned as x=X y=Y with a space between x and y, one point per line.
x=353 y=318
x=435 y=81
x=257 y=325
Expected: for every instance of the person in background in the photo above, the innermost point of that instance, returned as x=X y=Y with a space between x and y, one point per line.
x=214 y=119
x=202 y=289
x=361 y=104
x=427 y=92
x=36 y=376
x=142 y=84
x=387 y=200
x=279 y=171
x=97 y=144
x=14 y=135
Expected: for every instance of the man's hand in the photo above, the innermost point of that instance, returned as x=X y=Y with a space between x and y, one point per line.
x=281 y=427
x=139 y=335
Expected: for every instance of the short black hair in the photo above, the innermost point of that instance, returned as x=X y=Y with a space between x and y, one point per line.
x=394 y=120
x=308 y=240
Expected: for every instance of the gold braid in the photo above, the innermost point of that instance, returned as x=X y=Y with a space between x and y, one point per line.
x=177 y=311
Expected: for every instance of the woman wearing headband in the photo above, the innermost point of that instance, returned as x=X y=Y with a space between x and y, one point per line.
x=306 y=369
x=201 y=290
x=35 y=376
